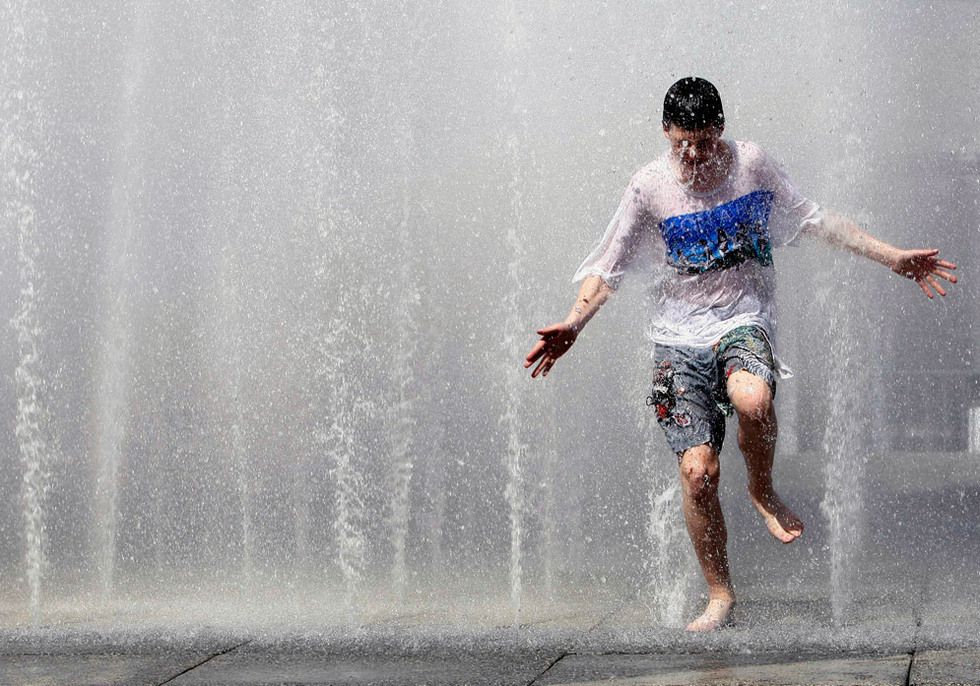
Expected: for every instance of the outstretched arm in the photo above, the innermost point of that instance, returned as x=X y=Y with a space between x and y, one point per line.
x=922 y=266
x=556 y=339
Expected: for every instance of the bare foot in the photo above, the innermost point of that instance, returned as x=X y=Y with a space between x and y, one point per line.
x=718 y=614
x=782 y=522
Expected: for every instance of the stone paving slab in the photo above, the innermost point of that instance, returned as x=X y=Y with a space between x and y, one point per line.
x=724 y=670
x=276 y=666
x=93 y=669
x=255 y=668
x=946 y=667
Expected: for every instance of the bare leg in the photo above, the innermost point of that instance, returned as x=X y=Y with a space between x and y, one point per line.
x=757 y=439
x=706 y=525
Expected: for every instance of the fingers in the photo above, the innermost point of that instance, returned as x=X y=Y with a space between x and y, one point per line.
x=555 y=341
x=925 y=269
x=548 y=357
x=536 y=352
x=547 y=362
x=546 y=345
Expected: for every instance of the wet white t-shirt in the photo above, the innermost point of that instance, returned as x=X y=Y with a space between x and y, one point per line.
x=711 y=252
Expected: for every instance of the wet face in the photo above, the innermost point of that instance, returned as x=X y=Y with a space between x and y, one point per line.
x=697 y=152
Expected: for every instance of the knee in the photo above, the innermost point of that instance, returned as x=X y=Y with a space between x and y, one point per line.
x=757 y=422
x=753 y=404
x=700 y=470
x=758 y=411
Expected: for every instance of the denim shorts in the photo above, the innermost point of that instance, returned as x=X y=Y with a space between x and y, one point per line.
x=689 y=391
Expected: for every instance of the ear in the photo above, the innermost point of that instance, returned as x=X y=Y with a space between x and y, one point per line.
x=666 y=131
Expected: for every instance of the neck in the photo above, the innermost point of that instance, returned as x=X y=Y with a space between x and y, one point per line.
x=707 y=175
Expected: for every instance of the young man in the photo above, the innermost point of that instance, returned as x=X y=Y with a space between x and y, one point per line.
x=712 y=210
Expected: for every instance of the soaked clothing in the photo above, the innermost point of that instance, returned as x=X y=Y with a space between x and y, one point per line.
x=709 y=260
x=708 y=255
x=689 y=391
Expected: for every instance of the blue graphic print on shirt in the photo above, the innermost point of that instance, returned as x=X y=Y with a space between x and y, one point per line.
x=722 y=237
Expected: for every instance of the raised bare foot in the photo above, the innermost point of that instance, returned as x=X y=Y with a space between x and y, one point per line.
x=718 y=614
x=781 y=521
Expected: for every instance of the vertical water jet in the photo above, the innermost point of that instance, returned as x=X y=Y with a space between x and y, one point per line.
x=846 y=438
x=21 y=149
x=402 y=408
x=401 y=419
x=668 y=562
x=230 y=343
x=339 y=343
x=843 y=444
x=114 y=370
x=548 y=494
x=232 y=212
x=514 y=152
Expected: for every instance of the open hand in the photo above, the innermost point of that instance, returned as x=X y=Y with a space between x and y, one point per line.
x=555 y=342
x=923 y=266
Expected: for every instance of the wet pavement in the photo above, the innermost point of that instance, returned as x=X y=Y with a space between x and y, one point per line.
x=605 y=643
x=241 y=664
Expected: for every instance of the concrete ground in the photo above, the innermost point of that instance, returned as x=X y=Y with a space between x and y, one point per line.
x=242 y=665
x=610 y=641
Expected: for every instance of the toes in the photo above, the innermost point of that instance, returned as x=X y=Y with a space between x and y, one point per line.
x=783 y=534
x=791 y=536
x=700 y=625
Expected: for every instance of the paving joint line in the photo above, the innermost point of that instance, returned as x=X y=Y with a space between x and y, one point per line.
x=548 y=668
x=918 y=612
x=207 y=659
x=572 y=649
x=915 y=647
